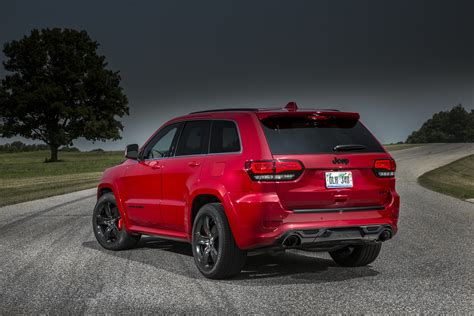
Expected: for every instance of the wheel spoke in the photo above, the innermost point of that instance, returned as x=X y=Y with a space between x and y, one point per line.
x=107 y=232
x=108 y=211
x=213 y=254
x=214 y=231
x=207 y=225
x=114 y=231
x=100 y=220
x=205 y=257
x=115 y=213
x=201 y=240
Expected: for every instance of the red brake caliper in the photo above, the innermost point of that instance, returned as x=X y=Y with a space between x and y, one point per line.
x=119 y=224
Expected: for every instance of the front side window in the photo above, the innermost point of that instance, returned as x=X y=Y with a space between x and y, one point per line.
x=224 y=137
x=194 y=138
x=161 y=145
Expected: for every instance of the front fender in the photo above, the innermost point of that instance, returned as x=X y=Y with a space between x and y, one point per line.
x=109 y=184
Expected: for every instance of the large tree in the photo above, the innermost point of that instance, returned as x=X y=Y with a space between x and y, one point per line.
x=453 y=126
x=59 y=89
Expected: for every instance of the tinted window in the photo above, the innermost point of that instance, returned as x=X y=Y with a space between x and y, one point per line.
x=194 y=139
x=302 y=136
x=224 y=137
x=160 y=146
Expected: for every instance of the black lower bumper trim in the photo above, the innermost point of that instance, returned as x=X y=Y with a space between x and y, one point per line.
x=324 y=237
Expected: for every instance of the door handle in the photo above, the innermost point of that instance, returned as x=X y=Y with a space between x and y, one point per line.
x=194 y=164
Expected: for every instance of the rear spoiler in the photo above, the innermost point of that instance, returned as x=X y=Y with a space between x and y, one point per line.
x=312 y=115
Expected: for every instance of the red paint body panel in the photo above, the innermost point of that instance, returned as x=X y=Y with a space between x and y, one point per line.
x=156 y=196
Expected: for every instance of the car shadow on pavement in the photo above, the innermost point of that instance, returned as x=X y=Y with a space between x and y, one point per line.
x=270 y=268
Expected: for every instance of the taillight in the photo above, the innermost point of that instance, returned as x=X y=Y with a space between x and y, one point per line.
x=385 y=168
x=274 y=170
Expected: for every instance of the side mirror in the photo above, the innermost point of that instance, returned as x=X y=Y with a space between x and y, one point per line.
x=131 y=151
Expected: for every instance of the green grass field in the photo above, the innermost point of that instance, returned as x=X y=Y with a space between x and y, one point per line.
x=455 y=179
x=400 y=146
x=24 y=176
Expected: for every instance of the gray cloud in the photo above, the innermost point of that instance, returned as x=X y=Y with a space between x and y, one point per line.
x=394 y=62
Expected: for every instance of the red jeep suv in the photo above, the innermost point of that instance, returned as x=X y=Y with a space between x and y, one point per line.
x=236 y=180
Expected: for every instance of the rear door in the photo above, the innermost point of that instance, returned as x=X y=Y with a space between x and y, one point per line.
x=182 y=170
x=333 y=179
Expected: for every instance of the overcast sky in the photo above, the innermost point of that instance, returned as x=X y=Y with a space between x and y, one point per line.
x=394 y=62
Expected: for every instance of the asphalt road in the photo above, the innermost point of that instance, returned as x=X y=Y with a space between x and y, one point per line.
x=50 y=262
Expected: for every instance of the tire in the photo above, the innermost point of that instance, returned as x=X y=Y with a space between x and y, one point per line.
x=106 y=223
x=215 y=253
x=356 y=256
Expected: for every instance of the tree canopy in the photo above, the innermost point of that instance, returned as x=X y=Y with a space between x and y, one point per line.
x=59 y=89
x=453 y=126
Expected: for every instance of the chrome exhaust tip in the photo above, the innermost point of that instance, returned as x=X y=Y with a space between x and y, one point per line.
x=385 y=235
x=291 y=241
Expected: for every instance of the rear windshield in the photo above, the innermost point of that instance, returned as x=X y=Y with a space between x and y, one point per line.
x=299 y=136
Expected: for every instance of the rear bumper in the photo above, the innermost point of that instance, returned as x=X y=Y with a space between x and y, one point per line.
x=329 y=238
x=261 y=221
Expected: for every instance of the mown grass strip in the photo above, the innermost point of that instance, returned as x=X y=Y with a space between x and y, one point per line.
x=24 y=176
x=455 y=179
x=395 y=147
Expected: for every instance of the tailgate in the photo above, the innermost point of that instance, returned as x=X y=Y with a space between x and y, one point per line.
x=327 y=144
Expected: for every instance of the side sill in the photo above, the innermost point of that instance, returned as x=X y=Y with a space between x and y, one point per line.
x=160 y=233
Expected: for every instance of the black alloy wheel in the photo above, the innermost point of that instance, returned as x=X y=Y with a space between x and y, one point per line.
x=107 y=222
x=215 y=251
x=207 y=242
x=108 y=225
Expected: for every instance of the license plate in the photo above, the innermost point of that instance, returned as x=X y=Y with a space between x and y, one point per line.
x=339 y=179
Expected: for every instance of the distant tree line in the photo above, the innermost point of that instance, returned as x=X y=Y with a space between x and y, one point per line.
x=17 y=146
x=453 y=126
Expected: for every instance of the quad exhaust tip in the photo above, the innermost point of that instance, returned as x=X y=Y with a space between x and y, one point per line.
x=291 y=241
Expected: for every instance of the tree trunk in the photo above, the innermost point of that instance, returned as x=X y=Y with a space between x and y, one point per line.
x=54 y=153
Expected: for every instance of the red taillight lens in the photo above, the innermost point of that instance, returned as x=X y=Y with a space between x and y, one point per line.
x=261 y=167
x=287 y=166
x=274 y=170
x=385 y=168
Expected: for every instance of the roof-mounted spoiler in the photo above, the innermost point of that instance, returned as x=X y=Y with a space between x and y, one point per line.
x=322 y=114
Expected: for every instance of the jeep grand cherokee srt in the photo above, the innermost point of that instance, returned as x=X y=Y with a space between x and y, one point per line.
x=236 y=180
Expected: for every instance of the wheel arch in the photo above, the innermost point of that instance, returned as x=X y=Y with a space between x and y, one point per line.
x=104 y=189
x=203 y=196
x=108 y=186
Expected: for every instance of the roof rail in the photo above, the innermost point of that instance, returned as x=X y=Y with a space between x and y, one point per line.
x=227 y=110
x=291 y=109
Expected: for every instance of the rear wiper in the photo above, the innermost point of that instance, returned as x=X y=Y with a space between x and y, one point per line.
x=349 y=147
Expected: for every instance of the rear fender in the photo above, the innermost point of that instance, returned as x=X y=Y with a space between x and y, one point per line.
x=217 y=189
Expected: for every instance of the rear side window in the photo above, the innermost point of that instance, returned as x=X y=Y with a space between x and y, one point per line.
x=224 y=137
x=301 y=136
x=194 y=138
